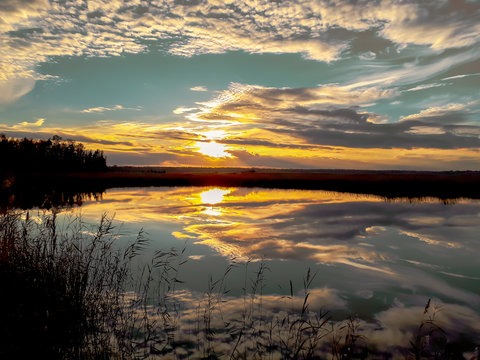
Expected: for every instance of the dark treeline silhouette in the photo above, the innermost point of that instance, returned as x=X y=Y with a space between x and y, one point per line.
x=25 y=197
x=52 y=155
x=32 y=173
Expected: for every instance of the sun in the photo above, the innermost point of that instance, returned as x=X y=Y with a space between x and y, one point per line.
x=213 y=149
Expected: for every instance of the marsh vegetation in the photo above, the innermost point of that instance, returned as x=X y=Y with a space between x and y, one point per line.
x=70 y=292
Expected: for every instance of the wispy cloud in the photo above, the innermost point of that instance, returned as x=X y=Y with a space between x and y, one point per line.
x=323 y=126
x=411 y=72
x=181 y=110
x=306 y=121
x=369 y=55
x=452 y=112
x=13 y=89
x=425 y=86
x=101 y=109
x=460 y=76
x=199 y=88
x=37 y=123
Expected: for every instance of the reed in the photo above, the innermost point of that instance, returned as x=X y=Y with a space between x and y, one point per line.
x=63 y=287
x=70 y=292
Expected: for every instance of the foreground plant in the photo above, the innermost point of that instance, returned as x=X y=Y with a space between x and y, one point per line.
x=69 y=292
x=63 y=289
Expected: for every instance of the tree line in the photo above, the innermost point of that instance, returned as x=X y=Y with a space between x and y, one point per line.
x=52 y=155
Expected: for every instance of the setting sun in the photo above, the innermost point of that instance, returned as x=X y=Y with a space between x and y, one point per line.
x=213 y=149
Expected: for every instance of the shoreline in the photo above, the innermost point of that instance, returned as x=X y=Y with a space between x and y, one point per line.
x=388 y=184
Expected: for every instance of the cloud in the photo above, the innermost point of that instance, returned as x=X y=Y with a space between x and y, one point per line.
x=271 y=318
x=181 y=110
x=425 y=130
x=256 y=98
x=101 y=109
x=13 y=89
x=453 y=112
x=413 y=71
x=330 y=115
x=369 y=55
x=37 y=123
x=328 y=125
x=460 y=76
x=35 y=31
x=309 y=225
x=328 y=228
x=199 y=88
x=425 y=86
x=399 y=322
x=137 y=143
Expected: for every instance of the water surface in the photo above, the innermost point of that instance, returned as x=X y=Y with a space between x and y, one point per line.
x=379 y=259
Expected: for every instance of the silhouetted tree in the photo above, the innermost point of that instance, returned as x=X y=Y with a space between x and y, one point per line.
x=52 y=155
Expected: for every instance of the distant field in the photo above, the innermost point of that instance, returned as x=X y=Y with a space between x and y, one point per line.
x=48 y=189
x=390 y=184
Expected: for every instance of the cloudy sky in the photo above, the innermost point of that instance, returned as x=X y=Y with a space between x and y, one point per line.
x=377 y=84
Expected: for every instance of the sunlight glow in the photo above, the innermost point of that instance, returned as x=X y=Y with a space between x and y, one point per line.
x=184 y=142
x=213 y=196
x=213 y=149
x=229 y=220
x=212 y=211
x=214 y=134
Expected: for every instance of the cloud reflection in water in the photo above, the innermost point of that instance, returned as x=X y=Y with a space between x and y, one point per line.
x=423 y=247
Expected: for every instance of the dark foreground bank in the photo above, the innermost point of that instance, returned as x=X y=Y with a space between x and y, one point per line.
x=30 y=189
x=390 y=184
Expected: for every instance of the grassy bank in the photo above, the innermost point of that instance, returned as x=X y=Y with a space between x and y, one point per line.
x=443 y=185
x=68 y=292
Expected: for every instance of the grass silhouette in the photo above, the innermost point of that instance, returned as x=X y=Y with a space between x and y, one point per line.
x=69 y=292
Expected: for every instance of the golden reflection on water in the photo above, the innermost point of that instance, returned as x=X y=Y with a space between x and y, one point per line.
x=351 y=231
x=213 y=196
x=326 y=227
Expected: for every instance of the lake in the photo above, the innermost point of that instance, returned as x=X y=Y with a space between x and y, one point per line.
x=379 y=260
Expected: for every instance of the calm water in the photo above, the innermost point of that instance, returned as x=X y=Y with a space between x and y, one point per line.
x=379 y=259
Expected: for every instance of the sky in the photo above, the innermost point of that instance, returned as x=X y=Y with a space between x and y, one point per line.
x=380 y=84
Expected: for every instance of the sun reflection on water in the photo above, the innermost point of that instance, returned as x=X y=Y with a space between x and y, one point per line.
x=366 y=249
x=213 y=196
x=320 y=226
x=212 y=211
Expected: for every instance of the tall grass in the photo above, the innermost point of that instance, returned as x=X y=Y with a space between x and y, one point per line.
x=68 y=292
x=62 y=288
